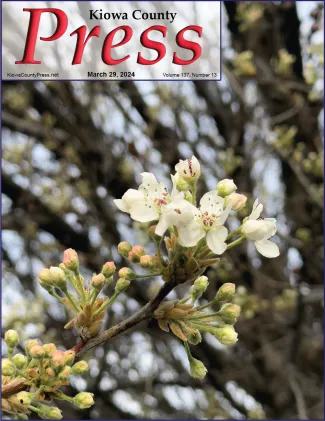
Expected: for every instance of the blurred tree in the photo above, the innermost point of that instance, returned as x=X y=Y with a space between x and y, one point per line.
x=70 y=148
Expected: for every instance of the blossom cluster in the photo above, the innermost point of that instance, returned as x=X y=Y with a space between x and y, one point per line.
x=30 y=381
x=153 y=203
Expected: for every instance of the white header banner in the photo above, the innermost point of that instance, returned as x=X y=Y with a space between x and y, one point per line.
x=111 y=40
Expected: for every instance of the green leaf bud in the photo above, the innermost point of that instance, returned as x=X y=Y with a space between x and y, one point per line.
x=65 y=373
x=121 y=285
x=11 y=338
x=194 y=338
x=54 y=413
x=58 y=277
x=226 y=335
x=197 y=368
x=7 y=367
x=226 y=291
x=124 y=248
x=84 y=400
x=230 y=312
x=199 y=286
x=25 y=398
x=19 y=360
x=80 y=368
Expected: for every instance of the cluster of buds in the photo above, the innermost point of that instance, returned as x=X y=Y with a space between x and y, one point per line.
x=187 y=321
x=230 y=161
x=283 y=63
x=285 y=136
x=33 y=379
x=248 y=14
x=244 y=65
x=80 y=299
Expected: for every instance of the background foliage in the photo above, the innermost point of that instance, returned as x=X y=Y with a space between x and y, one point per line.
x=69 y=149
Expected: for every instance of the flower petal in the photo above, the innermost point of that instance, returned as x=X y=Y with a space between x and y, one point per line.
x=191 y=234
x=267 y=248
x=257 y=210
x=216 y=240
x=212 y=203
x=121 y=205
x=144 y=212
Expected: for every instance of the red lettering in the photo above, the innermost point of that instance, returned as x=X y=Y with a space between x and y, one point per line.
x=108 y=45
x=153 y=45
x=188 y=45
x=81 y=41
x=35 y=16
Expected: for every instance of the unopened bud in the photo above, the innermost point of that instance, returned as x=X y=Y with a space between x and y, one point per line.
x=30 y=343
x=136 y=253
x=44 y=277
x=19 y=360
x=80 y=368
x=152 y=234
x=121 y=285
x=58 y=277
x=36 y=351
x=25 y=398
x=71 y=260
x=49 y=349
x=53 y=414
x=126 y=273
x=238 y=201
x=226 y=187
x=147 y=262
x=50 y=372
x=7 y=367
x=84 y=400
x=57 y=359
x=226 y=291
x=11 y=338
x=65 y=373
x=226 y=335
x=230 y=312
x=194 y=338
x=98 y=282
x=109 y=269
x=199 y=286
x=124 y=248
x=69 y=356
x=197 y=368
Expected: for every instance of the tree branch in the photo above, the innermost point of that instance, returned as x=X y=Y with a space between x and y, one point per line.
x=145 y=313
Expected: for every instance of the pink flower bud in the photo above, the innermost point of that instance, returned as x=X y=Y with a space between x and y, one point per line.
x=136 y=253
x=58 y=359
x=71 y=260
x=49 y=349
x=109 y=269
x=36 y=351
x=238 y=201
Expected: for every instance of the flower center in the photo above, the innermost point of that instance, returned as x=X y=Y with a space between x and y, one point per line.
x=208 y=219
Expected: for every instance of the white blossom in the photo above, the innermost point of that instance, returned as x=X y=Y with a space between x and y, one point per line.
x=152 y=202
x=260 y=230
x=208 y=221
x=189 y=170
